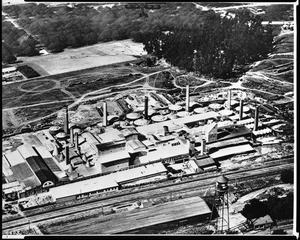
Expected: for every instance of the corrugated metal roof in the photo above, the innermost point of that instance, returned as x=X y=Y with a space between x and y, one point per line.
x=114 y=156
x=175 y=123
x=48 y=159
x=15 y=158
x=111 y=135
x=135 y=144
x=36 y=163
x=165 y=152
x=139 y=172
x=85 y=186
x=231 y=150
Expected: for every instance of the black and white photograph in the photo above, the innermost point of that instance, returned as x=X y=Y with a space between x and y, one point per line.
x=149 y=119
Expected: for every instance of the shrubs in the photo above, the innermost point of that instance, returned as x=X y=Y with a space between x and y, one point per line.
x=287 y=176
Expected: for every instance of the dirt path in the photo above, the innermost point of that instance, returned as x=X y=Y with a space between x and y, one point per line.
x=12 y=117
x=34 y=105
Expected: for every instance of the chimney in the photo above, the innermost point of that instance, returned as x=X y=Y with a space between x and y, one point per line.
x=71 y=137
x=66 y=127
x=67 y=155
x=166 y=130
x=229 y=99
x=76 y=141
x=192 y=145
x=187 y=99
x=146 y=107
x=104 y=114
x=256 y=118
x=241 y=109
x=203 y=146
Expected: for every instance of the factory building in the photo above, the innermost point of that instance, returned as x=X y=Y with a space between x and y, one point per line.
x=173 y=151
x=22 y=170
x=107 y=183
x=41 y=170
x=114 y=161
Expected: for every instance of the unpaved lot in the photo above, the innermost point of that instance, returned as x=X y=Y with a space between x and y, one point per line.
x=86 y=57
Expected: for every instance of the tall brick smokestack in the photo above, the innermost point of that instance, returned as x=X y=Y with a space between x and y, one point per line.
x=71 y=137
x=229 y=99
x=256 y=118
x=146 y=107
x=241 y=109
x=66 y=127
x=203 y=146
x=76 y=141
x=104 y=114
x=67 y=155
x=187 y=99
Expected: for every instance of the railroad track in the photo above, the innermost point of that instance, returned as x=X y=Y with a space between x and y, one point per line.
x=193 y=185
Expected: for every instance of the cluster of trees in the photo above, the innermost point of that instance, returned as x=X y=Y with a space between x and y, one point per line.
x=185 y=36
x=277 y=208
x=7 y=55
x=287 y=176
x=209 y=44
x=28 y=10
x=278 y=12
x=17 y=41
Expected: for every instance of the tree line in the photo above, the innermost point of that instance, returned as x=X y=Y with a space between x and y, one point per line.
x=185 y=36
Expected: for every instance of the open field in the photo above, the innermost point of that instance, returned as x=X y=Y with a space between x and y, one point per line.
x=86 y=57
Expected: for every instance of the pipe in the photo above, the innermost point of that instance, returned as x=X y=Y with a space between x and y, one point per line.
x=241 y=109
x=71 y=137
x=203 y=146
x=256 y=118
x=76 y=141
x=146 y=107
x=104 y=114
x=187 y=99
x=229 y=99
x=67 y=155
x=66 y=127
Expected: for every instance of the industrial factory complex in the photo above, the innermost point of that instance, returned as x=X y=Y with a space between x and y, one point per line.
x=156 y=139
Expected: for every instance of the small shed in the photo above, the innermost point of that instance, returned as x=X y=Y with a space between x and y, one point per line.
x=262 y=222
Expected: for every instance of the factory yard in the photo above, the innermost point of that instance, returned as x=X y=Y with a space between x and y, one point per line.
x=86 y=57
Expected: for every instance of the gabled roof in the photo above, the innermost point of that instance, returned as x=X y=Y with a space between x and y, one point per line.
x=262 y=220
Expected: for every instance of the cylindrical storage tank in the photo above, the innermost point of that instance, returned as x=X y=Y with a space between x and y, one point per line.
x=215 y=106
x=61 y=135
x=54 y=130
x=140 y=122
x=150 y=112
x=133 y=116
x=182 y=114
x=175 y=108
x=222 y=184
x=226 y=112
x=164 y=111
x=159 y=118
x=246 y=109
x=199 y=110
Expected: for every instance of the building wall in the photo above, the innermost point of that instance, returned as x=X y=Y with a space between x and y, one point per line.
x=115 y=166
x=111 y=149
x=211 y=136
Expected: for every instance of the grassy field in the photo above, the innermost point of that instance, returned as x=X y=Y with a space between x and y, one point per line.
x=86 y=57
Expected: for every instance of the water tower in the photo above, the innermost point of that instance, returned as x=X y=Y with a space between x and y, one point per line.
x=221 y=203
